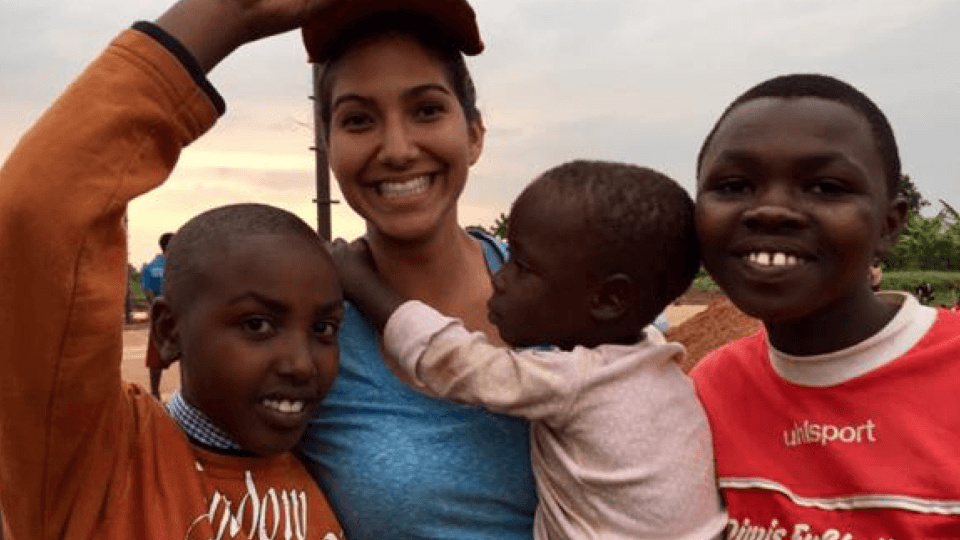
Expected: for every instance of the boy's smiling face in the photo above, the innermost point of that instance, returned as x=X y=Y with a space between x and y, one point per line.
x=792 y=205
x=258 y=343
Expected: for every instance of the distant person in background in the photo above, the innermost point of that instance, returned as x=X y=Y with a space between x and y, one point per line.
x=131 y=271
x=128 y=301
x=151 y=280
x=876 y=275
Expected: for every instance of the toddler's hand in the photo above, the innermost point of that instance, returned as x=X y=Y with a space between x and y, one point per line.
x=361 y=282
x=355 y=265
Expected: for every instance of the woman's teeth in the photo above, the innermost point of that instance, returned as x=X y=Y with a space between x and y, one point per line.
x=773 y=259
x=403 y=189
x=284 y=406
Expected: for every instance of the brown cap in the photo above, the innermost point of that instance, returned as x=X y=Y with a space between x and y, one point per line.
x=455 y=18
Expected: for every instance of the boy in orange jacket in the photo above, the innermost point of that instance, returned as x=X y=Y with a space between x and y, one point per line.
x=251 y=312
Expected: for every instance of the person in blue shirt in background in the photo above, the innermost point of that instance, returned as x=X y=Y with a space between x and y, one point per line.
x=151 y=280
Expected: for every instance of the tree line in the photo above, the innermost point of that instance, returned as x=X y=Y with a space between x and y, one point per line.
x=926 y=243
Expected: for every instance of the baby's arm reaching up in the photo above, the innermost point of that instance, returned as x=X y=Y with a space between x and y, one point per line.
x=443 y=359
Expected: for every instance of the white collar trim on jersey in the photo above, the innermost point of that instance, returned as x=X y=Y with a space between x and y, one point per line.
x=911 y=323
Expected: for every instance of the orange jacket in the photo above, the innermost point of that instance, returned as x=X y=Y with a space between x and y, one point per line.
x=82 y=454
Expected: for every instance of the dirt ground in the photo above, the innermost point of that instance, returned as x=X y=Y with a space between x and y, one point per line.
x=716 y=323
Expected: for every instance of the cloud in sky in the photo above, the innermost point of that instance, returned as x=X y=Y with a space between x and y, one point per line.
x=633 y=80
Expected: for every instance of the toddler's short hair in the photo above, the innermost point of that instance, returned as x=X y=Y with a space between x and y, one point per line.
x=642 y=220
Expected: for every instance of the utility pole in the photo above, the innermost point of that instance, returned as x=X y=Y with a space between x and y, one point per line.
x=323 y=200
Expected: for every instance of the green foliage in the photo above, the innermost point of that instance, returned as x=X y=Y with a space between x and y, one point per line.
x=703 y=283
x=928 y=243
x=949 y=211
x=499 y=228
x=946 y=285
x=913 y=196
x=136 y=292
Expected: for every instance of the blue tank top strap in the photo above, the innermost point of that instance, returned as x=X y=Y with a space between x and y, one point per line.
x=495 y=250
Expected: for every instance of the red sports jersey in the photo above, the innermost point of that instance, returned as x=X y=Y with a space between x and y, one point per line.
x=876 y=457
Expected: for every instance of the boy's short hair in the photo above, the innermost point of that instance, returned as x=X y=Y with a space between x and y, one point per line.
x=831 y=89
x=191 y=246
x=643 y=222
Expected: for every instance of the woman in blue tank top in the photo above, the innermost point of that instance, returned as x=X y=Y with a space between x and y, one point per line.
x=399 y=116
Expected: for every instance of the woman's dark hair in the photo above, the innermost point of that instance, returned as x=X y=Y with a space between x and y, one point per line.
x=426 y=34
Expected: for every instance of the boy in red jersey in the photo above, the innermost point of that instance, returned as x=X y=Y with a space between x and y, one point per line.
x=839 y=420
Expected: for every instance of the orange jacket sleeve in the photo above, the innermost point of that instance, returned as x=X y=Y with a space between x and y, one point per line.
x=115 y=133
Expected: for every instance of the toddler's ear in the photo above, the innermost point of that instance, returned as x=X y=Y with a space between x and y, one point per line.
x=164 y=332
x=612 y=298
x=894 y=221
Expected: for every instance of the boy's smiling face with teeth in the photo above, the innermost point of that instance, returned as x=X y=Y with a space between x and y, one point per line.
x=258 y=342
x=764 y=258
x=792 y=206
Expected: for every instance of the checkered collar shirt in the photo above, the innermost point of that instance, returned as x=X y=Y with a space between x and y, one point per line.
x=197 y=426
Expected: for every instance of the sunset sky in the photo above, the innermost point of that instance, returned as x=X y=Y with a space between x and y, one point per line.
x=630 y=80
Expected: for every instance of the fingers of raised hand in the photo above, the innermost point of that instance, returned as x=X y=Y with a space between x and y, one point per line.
x=289 y=14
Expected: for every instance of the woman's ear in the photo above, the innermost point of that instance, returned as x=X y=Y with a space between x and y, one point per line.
x=476 y=132
x=893 y=224
x=165 y=332
x=612 y=298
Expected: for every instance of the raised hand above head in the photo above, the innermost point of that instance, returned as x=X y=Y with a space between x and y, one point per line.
x=212 y=29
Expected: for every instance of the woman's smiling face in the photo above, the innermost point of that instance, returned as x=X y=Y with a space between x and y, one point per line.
x=399 y=143
x=792 y=205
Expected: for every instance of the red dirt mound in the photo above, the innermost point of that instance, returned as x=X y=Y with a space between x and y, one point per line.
x=718 y=325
